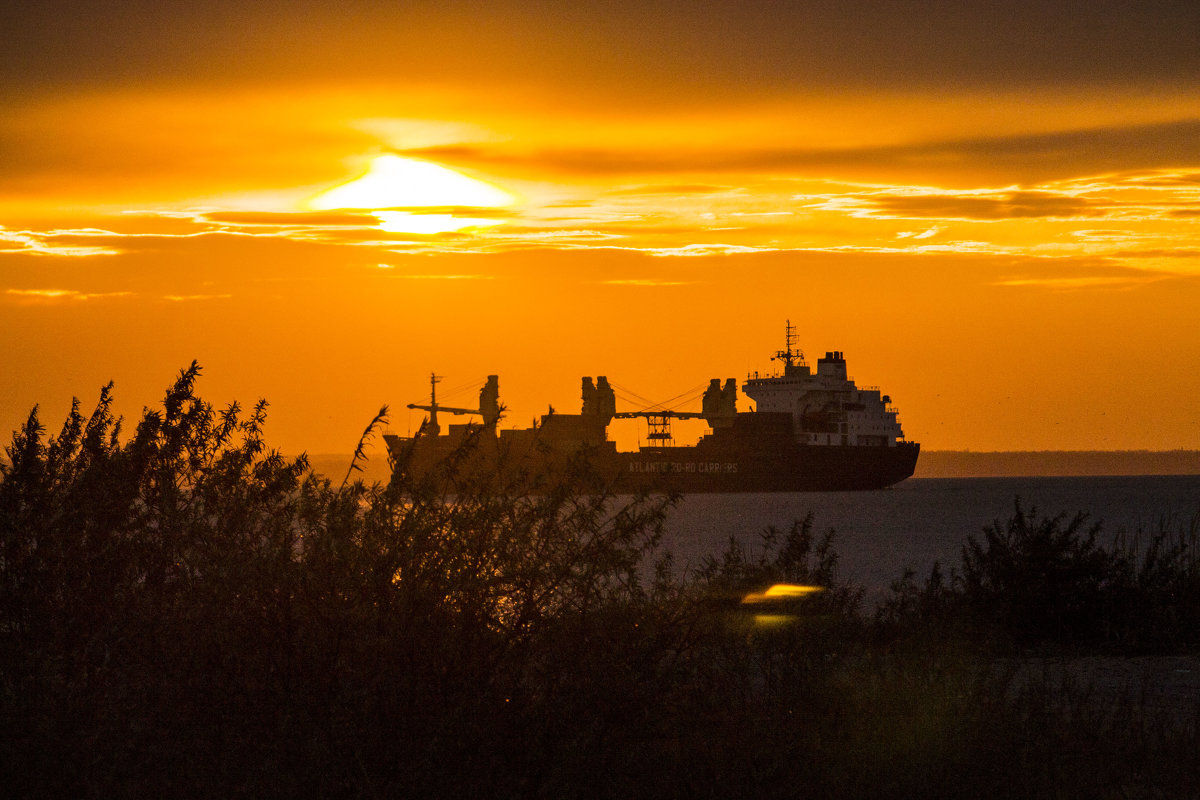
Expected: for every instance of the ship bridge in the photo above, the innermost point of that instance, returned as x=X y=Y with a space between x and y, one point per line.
x=827 y=407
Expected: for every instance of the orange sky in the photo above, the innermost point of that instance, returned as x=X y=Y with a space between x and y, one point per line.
x=993 y=210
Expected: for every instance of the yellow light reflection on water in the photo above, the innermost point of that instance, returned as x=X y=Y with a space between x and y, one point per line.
x=780 y=591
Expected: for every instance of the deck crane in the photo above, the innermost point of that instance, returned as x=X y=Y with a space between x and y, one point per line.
x=489 y=405
x=719 y=409
x=659 y=423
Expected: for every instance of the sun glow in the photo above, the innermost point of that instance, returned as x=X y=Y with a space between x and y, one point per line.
x=394 y=182
x=403 y=222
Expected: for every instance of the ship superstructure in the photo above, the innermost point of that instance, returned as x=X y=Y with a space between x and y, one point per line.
x=827 y=408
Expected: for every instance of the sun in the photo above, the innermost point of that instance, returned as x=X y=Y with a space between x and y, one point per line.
x=395 y=185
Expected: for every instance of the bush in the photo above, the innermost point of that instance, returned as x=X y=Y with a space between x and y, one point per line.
x=1042 y=579
x=1162 y=607
x=1047 y=581
x=190 y=612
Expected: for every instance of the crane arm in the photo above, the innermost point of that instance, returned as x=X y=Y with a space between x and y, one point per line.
x=447 y=409
x=673 y=414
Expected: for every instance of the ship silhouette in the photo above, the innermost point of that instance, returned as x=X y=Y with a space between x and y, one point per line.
x=811 y=431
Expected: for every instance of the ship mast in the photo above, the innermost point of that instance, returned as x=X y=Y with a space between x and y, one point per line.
x=791 y=353
x=431 y=427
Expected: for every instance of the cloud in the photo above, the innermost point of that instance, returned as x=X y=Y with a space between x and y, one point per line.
x=914 y=235
x=1010 y=205
x=714 y=249
x=1075 y=274
x=1101 y=235
x=189 y=298
x=671 y=188
x=651 y=49
x=643 y=282
x=1023 y=157
x=326 y=219
x=1080 y=282
x=962 y=247
x=70 y=244
x=447 y=277
x=1115 y=198
x=1165 y=179
x=351 y=229
x=53 y=295
x=1156 y=253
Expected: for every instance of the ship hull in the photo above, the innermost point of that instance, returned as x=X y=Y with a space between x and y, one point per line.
x=798 y=468
x=716 y=464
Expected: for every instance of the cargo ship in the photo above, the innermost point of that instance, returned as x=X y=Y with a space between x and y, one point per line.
x=810 y=431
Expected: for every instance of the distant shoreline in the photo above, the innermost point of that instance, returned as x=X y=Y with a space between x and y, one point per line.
x=931 y=464
x=1055 y=463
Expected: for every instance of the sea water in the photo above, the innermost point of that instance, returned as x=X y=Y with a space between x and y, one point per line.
x=880 y=534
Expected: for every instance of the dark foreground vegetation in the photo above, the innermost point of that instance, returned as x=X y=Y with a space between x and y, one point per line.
x=186 y=613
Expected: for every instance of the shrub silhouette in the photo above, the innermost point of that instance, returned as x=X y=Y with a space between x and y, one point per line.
x=1049 y=580
x=191 y=609
x=1162 y=605
x=1041 y=579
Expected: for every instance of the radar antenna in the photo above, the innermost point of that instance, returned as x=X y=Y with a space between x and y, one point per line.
x=792 y=353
